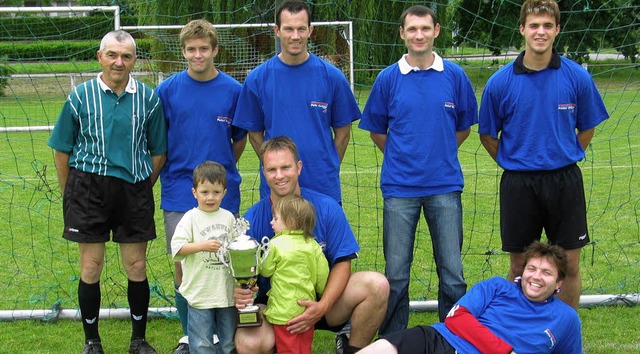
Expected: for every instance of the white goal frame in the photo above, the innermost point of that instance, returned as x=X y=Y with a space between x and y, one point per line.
x=54 y=10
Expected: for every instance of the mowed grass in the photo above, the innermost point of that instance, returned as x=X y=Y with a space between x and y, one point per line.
x=606 y=330
x=40 y=269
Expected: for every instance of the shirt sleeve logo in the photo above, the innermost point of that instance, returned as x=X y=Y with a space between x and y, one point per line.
x=450 y=105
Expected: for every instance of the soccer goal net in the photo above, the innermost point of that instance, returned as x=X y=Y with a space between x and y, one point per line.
x=242 y=47
x=43 y=53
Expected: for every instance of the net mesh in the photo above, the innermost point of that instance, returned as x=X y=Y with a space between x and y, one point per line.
x=41 y=270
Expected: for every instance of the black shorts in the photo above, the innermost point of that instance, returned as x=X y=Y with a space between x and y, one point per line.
x=550 y=200
x=420 y=339
x=94 y=206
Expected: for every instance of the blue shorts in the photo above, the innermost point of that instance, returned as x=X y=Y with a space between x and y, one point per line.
x=95 y=206
x=552 y=201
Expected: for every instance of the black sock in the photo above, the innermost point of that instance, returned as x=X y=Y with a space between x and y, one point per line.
x=89 y=301
x=138 y=295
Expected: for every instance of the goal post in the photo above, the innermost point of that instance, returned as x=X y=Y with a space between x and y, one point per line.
x=57 y=10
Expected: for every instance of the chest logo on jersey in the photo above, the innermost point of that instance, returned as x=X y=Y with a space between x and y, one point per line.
x=571 y=107
x=323 y=245
x=450 y=105
x=225 y=120
x=552 y=339
x=322 y=105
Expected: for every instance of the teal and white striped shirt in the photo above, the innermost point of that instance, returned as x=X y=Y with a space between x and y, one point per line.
x=111 y=135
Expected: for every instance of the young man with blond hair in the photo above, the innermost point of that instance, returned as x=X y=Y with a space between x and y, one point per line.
x=199 y=105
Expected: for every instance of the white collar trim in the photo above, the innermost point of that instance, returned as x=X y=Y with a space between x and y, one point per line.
x=405 y=68
x=130 y=88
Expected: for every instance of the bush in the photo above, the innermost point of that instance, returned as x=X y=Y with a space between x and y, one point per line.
x=58 y=28
x=5 y=73
x=61 y=50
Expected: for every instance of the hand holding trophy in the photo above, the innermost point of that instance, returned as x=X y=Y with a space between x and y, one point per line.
x=243 y=256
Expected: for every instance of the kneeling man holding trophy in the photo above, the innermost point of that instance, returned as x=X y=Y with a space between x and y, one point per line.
x=359 y=298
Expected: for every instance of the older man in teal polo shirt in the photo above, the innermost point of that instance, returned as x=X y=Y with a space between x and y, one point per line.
x=110 y=143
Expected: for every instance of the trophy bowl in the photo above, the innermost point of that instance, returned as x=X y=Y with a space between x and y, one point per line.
x=242 y=256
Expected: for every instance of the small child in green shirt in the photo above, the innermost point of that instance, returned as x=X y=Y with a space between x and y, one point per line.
x=298 y=270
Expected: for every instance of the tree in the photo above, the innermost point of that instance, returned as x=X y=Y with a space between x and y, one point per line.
x=11 y=3
x=491 y=23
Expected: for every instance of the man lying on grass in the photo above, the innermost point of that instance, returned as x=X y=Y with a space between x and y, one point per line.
x=499 y=316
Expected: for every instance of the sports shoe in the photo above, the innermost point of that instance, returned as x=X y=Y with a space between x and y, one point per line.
x=93 y=347
x=342 y=342
x=141 y=346
x=182 y=348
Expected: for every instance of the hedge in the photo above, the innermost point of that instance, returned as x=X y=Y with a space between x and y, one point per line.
x=33 y=28
x=61 y=50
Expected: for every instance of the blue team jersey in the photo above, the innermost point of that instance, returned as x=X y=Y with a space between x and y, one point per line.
x=304 y=102
x=420 y=112
x=551 y=326
x=199 y=116
x=535 y=115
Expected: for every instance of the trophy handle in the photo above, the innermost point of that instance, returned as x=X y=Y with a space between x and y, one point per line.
x=264 y=246
x=222 y=256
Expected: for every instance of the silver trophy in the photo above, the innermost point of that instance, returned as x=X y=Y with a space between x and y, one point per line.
x=243 y=256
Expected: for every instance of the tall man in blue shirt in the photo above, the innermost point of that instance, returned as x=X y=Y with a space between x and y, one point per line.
x=299 y=95
x=537 y=118
x=109 y=145
x=418 y=113
x=199 y=104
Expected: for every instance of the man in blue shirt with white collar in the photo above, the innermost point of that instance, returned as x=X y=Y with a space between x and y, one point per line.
x=419 y=112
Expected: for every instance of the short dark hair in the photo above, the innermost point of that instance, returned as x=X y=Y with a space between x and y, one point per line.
x=209 y=171
x=553 y=253
x=279 y=143
x=420 y=11
x=294 y=6
x=539 y=7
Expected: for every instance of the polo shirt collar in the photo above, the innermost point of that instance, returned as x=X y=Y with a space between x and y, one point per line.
x=519 y=68
x=405 y=67
x=130 y=88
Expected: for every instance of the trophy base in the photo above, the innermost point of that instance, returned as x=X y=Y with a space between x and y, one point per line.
x=250 y=316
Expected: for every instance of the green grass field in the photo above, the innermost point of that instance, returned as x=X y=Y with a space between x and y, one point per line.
x=40 y=269
x=606 y=330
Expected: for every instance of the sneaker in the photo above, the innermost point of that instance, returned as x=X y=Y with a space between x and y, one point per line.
x=93 y=347
x=182 y=348
x=141 y=346
x=342 y=342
